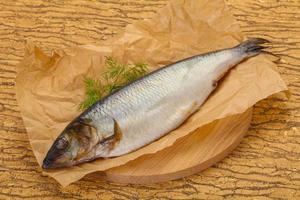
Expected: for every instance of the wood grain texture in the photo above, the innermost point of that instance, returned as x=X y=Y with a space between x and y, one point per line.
x=266 y=165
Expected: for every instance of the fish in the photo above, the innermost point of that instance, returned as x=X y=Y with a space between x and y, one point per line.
x=146 y=109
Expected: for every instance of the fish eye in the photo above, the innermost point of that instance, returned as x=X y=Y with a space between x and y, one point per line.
x=62 y=143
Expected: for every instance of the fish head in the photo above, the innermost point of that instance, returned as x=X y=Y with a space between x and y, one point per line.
x=76 y=144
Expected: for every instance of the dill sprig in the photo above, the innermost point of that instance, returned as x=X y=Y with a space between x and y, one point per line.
x=115 y=76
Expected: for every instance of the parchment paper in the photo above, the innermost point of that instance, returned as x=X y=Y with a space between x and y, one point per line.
x=49 y=88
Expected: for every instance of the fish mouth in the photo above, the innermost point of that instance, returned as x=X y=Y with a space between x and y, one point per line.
x=47 y=164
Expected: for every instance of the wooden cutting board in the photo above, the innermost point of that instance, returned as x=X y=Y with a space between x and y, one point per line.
x=191 y=154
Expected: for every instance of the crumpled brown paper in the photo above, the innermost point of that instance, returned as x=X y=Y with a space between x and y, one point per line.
x=49 y=88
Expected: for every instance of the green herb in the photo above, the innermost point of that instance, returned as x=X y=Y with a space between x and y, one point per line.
x=116 y=75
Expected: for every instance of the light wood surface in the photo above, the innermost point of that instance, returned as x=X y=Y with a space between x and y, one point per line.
x=266 y=165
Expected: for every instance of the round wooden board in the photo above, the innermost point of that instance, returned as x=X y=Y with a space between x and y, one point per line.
x=191 y=154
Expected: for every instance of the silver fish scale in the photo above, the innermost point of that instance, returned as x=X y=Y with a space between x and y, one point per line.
x=156 y=104
x=141 y=93
x=148 y=108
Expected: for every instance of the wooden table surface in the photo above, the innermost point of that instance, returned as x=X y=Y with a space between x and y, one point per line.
x=266 y=165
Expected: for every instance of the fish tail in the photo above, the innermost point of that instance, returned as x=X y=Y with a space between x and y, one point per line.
x=252 y=47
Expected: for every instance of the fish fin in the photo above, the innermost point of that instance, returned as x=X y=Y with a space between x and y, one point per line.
x=117 y=135
x=113 y=139
x=118 y=131
x=190 y=108
x=252 y=47
x=182 y=112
